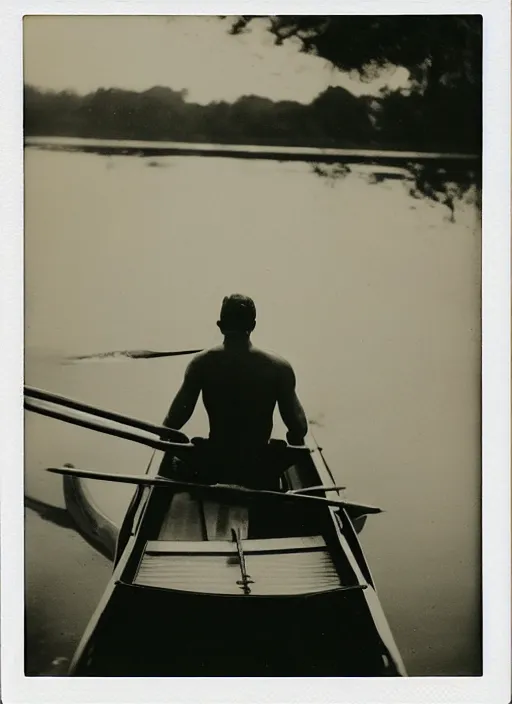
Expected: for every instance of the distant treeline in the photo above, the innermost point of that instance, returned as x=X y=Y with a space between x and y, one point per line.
x=335 y=118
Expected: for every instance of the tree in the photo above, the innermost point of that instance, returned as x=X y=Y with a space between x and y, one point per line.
x=340 y=114
x=443 y=55
x=435 y=49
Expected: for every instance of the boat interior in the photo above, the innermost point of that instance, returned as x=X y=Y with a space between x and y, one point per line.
x=225 y=588
x=241 y=548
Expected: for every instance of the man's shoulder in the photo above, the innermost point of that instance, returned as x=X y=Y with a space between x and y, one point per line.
x=273 y=358
x=198 y=359
x=205 y=356
x=212 y=352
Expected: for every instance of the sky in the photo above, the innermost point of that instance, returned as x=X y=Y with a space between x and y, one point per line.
x=192 y=52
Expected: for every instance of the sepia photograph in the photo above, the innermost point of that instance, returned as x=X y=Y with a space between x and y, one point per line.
x=253 y=346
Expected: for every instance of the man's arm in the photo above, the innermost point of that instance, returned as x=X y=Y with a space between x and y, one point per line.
x=185 y=400
x=290 y=407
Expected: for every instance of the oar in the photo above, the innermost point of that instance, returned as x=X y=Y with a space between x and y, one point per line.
x=246 y=578
x=320 y=487
x=320 y=452
x=194 y=487
x=64 y=415
x=160 y=430
x=130 y=354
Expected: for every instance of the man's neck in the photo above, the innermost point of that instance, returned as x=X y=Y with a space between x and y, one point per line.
x=235 y=341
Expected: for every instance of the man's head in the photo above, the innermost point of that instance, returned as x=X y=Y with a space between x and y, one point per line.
x=237 y=315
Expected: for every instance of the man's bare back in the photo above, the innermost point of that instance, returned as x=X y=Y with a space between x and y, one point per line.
x=240 y=385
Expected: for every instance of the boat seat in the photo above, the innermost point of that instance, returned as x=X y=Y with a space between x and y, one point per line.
x=276 y=566
x=314 y=542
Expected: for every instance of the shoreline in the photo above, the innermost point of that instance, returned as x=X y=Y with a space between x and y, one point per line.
x=236 y=151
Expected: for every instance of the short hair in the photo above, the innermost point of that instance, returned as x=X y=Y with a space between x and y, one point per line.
x=238 y=313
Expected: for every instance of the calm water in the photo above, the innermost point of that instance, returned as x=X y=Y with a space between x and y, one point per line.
x=373 y=296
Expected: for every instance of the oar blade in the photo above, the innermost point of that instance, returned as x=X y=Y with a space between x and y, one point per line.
x=121 y=355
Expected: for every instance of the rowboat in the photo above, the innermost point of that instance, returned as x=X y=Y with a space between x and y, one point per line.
x=228 y=581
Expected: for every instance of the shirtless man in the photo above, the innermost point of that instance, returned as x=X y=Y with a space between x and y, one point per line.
x=240 y=386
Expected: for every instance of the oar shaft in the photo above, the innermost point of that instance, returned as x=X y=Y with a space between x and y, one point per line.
x=316 y=489
x=97 y=426
x=161 y=431
x=140 y=480
x=211 y=488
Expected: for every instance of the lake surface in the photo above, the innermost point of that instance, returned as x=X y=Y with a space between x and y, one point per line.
x=372 y=295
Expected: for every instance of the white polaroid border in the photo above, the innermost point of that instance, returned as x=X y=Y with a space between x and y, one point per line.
x=494 y=686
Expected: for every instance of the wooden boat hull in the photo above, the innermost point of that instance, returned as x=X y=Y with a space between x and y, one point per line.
x=197 y=635
x=177 y=603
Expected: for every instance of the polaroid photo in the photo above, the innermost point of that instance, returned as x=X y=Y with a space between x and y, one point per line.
x=257 y=295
